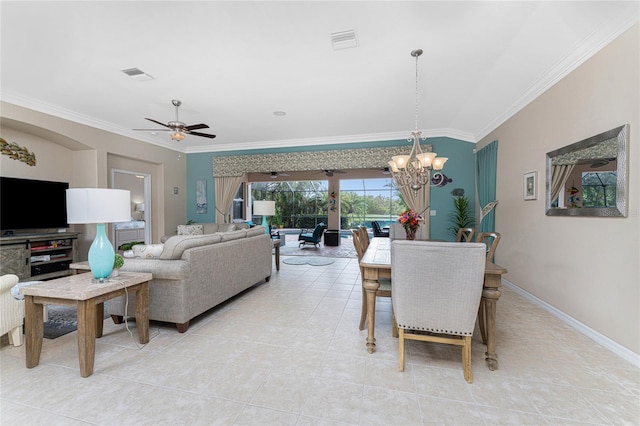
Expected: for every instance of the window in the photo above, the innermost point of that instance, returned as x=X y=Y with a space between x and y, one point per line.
x=300 y=204
x=599 y=189
x=365 y=200
x=237 y=208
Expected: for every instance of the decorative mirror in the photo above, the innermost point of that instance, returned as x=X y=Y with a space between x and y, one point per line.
x=589 y=178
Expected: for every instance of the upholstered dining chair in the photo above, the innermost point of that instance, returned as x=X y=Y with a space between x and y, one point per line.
x=437 y=288
x=361 y=242
x=465 y=235
x=11 y=310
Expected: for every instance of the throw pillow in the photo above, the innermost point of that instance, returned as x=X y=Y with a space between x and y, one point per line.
x=190 y=229
x=147 y=251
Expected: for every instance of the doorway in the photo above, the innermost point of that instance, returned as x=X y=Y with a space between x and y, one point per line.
x=139 y=184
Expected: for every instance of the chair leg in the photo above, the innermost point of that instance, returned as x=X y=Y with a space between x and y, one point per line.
x=401 y=349
x=466 y=359
x=15 y=336
x=363 y=315
x=394 y=324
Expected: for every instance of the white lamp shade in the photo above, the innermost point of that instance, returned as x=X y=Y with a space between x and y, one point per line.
x=264 y=208
x=98 y=205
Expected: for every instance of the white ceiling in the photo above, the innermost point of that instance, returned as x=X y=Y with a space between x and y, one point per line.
x=233 y=64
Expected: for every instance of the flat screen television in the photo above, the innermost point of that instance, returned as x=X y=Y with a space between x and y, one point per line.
x=32 y=204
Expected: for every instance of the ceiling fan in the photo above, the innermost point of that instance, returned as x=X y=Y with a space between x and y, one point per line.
x=178 y=128
x=329 y=172
x=274 y=175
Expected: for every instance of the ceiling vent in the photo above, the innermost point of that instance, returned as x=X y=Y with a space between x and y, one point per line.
x=137 y=74
x=344 y=40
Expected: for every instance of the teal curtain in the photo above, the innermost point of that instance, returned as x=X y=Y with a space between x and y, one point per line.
x=486 y=170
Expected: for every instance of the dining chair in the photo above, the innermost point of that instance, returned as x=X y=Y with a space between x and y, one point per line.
x=490 y=240
x=361 y=242
x=465 y=235
x=437 y=288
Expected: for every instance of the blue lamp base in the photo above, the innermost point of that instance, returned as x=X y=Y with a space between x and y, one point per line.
x=265 y=224
x=101 y=254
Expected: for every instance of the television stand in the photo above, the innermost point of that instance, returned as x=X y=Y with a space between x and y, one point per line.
x=38 y=257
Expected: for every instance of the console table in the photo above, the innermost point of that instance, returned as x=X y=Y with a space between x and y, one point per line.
x=88 y=296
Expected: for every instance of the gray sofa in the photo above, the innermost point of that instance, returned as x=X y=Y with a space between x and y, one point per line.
x=195 y=273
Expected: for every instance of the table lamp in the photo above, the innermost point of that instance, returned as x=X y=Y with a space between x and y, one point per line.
x=264 y=208
x=99 y=206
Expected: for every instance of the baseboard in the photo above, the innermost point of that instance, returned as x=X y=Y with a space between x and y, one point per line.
x=599 y=338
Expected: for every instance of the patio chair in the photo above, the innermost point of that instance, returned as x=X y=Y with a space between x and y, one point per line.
x=314 y=237
x=378 y=231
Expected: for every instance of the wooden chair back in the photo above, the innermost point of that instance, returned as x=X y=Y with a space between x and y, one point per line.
x=465 y=235
x=490 y=240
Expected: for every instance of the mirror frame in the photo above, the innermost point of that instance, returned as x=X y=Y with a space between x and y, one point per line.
x=622 y=187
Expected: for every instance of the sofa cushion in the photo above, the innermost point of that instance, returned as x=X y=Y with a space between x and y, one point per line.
x=233 y=235
x=256 y=230
x=210 y=228
x=197 y=229
x=176 y=245
x=161 y=269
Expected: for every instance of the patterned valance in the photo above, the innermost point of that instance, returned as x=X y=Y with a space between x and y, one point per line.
x=355 y=158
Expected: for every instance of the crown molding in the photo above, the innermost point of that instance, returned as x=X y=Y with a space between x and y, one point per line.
x=577 y=56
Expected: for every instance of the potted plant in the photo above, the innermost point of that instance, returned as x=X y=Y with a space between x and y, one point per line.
x=462 y=215
x=118 y=262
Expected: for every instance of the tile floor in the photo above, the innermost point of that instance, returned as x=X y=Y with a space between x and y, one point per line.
x=289 y=352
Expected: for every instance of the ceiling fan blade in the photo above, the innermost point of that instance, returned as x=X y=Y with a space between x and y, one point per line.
x=201 y=134
x=196 y=126
x=157 y=122
x=155 y=130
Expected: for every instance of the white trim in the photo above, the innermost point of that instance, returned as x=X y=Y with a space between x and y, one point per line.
x=616 y=348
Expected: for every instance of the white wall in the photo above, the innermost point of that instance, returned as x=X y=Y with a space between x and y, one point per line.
x=589 y=268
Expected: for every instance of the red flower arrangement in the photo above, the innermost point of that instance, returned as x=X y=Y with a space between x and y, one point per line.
x=410 y=220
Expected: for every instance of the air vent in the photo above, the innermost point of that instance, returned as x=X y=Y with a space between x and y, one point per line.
x=344 y=40
x=137 y=74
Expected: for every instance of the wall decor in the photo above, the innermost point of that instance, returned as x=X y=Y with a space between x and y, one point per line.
x=201 y=196
x=606 y=155
x=17 y=152
x=531 y=185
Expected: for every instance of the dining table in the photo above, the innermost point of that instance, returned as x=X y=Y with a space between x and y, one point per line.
x=376 y=263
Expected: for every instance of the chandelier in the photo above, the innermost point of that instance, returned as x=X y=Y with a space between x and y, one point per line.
x=414 y=170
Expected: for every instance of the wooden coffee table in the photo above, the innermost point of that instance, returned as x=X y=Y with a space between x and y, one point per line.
x=88 y=296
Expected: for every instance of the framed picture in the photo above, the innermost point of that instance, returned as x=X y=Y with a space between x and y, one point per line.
x=201 y=196
x=531 y=185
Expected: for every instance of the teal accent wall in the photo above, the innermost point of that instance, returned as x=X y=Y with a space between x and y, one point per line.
x=460 y=167
x=199 y=167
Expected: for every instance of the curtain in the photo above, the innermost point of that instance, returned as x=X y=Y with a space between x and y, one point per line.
x=486 y=171
x=559 y=176
x=226 y=188
x=418 y=203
